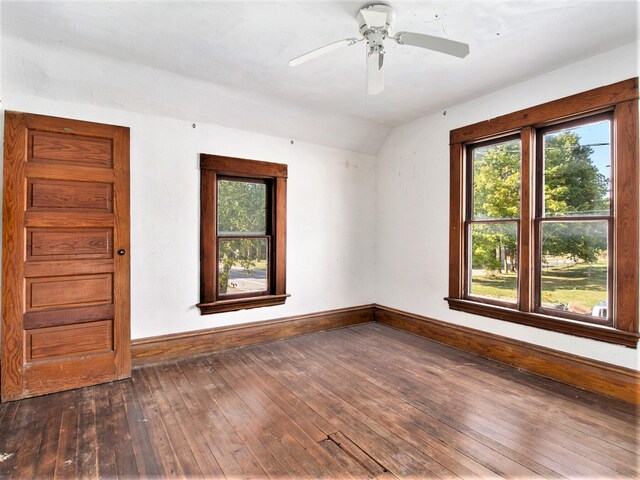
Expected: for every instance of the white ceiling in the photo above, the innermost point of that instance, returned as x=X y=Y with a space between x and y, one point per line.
x=247 y=45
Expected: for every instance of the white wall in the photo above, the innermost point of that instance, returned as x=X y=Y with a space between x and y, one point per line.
x=358 y=231
x=64 y=73
x=330 y=219
x=412 y=203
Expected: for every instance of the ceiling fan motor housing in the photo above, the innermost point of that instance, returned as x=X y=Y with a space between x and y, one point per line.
x=375 y=22
x=376 y=17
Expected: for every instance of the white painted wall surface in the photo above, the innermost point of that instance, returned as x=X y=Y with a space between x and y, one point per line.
x=330 y=219
x=358 y=231
x=64 y=73
x=412 y=203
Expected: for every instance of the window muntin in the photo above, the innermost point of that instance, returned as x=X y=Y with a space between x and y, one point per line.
x=493 y=213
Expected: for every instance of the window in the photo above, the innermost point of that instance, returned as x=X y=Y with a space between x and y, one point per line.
x=573 y=219
x=544 y=216
x=492 y=220
x=242 y=225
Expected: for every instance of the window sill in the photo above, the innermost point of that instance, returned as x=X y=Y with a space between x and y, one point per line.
x=241 y=303
x=546 y=322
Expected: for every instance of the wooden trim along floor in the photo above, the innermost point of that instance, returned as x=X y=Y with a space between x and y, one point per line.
x=591 y=375
x=366 y=401
x=169 y=347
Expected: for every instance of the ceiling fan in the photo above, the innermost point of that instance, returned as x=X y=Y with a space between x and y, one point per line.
x=375 y=23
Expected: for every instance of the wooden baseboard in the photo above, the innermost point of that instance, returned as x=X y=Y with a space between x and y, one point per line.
x=591 y=375
x=149 y=350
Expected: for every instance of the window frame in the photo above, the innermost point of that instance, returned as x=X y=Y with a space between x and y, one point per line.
x=274 y=175
x=622 y=100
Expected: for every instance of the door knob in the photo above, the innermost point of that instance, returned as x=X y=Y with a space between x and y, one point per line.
x=121 y=252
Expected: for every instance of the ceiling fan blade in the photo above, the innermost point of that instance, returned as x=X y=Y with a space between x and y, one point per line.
x=443 y=45
x=322 y=50
x=374 y=18
x=375 y=74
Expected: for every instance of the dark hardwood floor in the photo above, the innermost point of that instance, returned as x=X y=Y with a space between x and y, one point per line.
x=364 y=402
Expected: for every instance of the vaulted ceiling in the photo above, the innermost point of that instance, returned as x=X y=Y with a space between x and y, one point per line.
x=246 y=45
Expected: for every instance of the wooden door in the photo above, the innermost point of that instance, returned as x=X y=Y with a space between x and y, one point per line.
x=65 y=262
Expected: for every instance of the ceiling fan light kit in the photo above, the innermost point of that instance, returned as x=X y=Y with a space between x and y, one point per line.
x=375 y=22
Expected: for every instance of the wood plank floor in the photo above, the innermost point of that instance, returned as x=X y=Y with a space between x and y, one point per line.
x=360 y=402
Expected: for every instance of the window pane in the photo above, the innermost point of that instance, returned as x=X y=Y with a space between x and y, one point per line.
x=577 y=169
x=242 y=265
x=493 y=261
x=574 y=270
x=496 y=181
x=242 y=208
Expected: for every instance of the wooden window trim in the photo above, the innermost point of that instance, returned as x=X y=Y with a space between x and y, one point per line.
x=622 y=99
x=212 y=167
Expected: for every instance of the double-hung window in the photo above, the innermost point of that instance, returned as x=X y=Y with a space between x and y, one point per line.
x=544 y=216
x=243 y=224
x=493 y=215
x=574 y=219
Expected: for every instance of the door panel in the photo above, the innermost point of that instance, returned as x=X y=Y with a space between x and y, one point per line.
x=70 y=149
x=74 y=291
x=69 y=196
x=68 y=244
x=69 y=340
x=45 y=377
x=65 y=293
